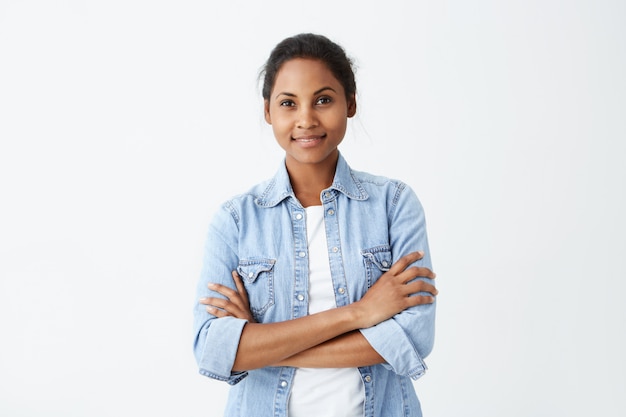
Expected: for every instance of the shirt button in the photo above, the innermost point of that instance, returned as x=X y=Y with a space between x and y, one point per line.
x=300 y=297
x=327 y=194
x=302 y=254
x=299 y=216
x=368 y=378
x=335 y=249
x=341 y=290
x=330 y=212
x=283 y=384
x=385 y=263
x=251 y=274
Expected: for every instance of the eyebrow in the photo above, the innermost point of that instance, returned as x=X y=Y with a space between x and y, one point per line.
x=314 y=93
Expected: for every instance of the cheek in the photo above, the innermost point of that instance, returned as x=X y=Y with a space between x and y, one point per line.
x=340 y=123
x=283 y=123
x=282 y=133
x=280 y=128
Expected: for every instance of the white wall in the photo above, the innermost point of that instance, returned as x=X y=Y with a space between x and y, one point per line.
x=123 y=124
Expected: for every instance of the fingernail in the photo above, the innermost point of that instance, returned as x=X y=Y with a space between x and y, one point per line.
x=211 y=285
x=421 y=252
x=203 y=299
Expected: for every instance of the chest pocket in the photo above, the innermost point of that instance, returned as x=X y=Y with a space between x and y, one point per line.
x=377 y=261
x=258 y=278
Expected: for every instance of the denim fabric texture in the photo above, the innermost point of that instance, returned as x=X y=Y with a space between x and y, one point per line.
x=371 y=221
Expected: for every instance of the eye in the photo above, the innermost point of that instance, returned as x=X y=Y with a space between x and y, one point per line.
x=287 y=103
x=324 y=100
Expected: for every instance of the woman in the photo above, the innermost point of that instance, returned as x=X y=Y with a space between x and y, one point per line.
x=316 y=293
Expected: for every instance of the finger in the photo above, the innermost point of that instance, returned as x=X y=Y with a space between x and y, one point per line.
x=236 y=305
x=226 y=305
x=417 y=300
x=215 y=302
x=223 y=289
x=425 y=272
x=402 y=263
x=416 y=272
x=217 y=312
x=421 y=286
x=241 y=289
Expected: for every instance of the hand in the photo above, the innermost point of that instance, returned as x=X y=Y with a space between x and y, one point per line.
x=396 y=290
x=236 y=303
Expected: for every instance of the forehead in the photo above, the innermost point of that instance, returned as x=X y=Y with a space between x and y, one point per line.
x=305 y=75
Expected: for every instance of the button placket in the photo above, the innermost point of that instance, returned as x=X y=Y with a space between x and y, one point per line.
x=334 y=248
x=298 y=217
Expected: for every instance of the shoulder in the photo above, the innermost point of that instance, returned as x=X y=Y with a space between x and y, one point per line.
x=266 y=194
x=248 y=198
x=379 y=183
x=374 y=180
x=396 y=193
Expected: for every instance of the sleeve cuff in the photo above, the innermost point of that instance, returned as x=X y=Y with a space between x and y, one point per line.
x=220 y=349
x=392 y=343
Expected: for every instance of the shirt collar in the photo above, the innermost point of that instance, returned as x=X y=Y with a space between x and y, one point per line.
x=279 y=187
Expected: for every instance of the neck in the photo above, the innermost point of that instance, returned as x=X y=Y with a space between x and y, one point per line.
x=309 y=180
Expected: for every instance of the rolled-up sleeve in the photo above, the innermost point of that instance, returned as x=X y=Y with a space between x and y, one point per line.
x=407 y=338
x=216 y=339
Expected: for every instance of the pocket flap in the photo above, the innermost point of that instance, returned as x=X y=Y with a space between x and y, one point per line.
x=379 y=256
x=250 y=269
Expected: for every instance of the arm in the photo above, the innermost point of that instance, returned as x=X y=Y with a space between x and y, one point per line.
x=215 y=342
x=347 y=350
x=350 y=350
x=404 y=340
x=392 y=293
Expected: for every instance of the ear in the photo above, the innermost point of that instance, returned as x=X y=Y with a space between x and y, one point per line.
x=352 y=106
x=266 y=111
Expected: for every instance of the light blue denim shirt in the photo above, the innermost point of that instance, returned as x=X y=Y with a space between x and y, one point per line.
x=371 y=221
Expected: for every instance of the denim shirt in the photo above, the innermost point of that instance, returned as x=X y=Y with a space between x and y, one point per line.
x=371 y=222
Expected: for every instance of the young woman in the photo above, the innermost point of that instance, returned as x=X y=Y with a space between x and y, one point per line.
x=316 y=293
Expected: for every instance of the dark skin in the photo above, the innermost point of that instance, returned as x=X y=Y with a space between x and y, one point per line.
x=329 y=339
x=308 y=110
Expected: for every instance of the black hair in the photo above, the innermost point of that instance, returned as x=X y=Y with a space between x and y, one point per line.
x=313 y=46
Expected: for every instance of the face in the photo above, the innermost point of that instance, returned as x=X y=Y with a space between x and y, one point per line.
x=308 y=111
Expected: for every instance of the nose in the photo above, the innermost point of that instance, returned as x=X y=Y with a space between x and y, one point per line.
x=307 y=119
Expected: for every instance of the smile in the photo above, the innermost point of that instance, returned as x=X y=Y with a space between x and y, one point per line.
x=307 y=139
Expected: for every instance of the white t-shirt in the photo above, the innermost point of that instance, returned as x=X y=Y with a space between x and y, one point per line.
x=328 y=392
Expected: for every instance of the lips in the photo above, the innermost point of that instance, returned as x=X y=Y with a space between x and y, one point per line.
x=308 y=138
